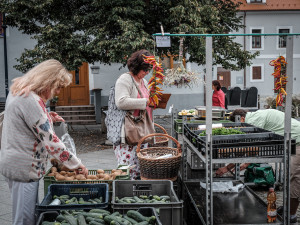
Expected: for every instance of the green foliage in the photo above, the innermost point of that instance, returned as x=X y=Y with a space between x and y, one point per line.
x=223 y=131
x=77 y=31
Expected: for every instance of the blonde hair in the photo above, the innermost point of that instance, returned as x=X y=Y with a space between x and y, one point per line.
x=48 y=75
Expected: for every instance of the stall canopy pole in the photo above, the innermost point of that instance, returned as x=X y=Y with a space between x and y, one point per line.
x=287 y=126
x=208 y=165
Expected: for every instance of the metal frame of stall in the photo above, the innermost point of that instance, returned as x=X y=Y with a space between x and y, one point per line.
x=208 y=160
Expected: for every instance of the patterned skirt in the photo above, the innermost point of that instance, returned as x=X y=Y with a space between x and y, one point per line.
x=126 y=155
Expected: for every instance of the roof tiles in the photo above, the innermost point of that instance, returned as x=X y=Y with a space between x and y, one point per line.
x=270 y=5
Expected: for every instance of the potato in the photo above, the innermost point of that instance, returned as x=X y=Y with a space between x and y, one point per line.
x=70 y=174
x=114 y=170
x=60 y=177
x=100 y=175
x=124 y=173
x=106 y=177
x=69 y=178
x=91 y=177
x=51 y=174
x=53 y=169
x=100 y=171
x=63 y=173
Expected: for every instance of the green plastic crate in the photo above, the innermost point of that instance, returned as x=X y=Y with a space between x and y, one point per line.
x=51 y=180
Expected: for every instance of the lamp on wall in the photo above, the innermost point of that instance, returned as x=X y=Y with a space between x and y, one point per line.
x=95 y=69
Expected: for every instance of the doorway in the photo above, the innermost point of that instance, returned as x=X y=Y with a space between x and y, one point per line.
x=77 y=93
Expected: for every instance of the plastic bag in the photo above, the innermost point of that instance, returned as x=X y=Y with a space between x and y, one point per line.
x=224 y=187
x=69 y=143
x=260 y=174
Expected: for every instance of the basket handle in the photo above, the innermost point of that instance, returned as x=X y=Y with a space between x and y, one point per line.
x=163 y=129
x=156 y=134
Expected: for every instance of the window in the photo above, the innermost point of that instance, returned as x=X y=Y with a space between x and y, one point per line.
x=282 y=39
x=257 y=73
x=256 y=40
x=255 y=1
x=1 y=21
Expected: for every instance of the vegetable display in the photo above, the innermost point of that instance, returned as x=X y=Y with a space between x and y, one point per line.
x=280 y=79
x=223 y=131
x=157 y=78
x=72 y=176
x=100 y=217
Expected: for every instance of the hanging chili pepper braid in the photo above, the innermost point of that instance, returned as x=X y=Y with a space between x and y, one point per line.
x=156 y=79
x=280 y=79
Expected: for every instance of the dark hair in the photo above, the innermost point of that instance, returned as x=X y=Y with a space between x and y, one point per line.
x=136 y=62
x=216 y=84
x=238 y=112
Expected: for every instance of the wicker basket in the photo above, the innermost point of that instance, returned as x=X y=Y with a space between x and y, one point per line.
x=159 y=169
x=160 y=141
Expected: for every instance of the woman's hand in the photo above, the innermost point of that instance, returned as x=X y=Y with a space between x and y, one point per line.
x=221 y=171
x=55 y=117
x=82 y=170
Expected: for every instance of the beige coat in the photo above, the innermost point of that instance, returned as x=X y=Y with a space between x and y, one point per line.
x=126 y=97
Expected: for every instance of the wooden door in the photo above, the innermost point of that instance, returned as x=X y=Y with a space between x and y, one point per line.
x=224 y=77
x=77 y=93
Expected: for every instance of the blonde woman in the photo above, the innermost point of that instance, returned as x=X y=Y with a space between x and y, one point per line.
x=28 y=138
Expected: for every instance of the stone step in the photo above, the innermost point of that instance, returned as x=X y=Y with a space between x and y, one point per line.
x=71 y=113
x=79 y=117
x=75 y=108
x=81 y=122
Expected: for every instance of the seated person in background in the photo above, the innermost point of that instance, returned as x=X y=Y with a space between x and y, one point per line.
x=273 y=120
x=218 y=98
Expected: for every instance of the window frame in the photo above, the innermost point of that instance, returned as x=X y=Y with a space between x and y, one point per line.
x=256 y=2
x=277 y=38
x=262 y=73
x=261 y=38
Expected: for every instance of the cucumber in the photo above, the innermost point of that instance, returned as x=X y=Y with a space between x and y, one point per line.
x=130 y=220
x=109 y=218
x=81 y=201
x=137 y=199
x=96 y=223
x=116 y=214
x=114 y=223
x=71 y=219
x=98 y=200
x=143 y=223
x=121 y=221
x=139 y=217
x=156 y=197
x=81 y=220
x=99 y=211
x=89 y=219
x=136 y=216
x=60 y=218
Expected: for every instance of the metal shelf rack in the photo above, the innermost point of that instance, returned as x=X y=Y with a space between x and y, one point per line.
x=208 y=159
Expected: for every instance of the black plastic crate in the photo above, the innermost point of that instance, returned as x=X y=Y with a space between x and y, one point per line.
x=256 y=142
x=51 y=215
x=86 y=191
x=169 y=213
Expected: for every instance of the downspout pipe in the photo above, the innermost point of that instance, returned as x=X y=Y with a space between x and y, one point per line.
x=4 y=26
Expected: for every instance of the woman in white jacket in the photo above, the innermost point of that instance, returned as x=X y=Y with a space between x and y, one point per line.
x=128 y=98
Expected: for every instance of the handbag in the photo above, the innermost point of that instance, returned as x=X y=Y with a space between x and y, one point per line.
x=114 y=119
x=138 y=127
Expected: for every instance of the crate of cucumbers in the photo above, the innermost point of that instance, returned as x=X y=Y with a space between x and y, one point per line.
x=74 y=196
x=133 y=194
x=142 y=216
